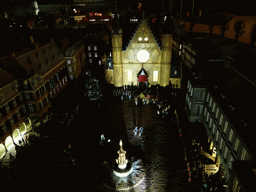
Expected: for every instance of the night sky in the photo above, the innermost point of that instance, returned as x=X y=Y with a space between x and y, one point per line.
x=241 y=7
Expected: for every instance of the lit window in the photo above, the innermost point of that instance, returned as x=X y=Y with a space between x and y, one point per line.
x=175 y=72
x=213 y=108
x=145 y=38
x=179 y=53
x=110 y=54
x=95 y=55
x=214 y=127
x=221 y=118
x=217 y=113
x=89 y=48
x=210 y=123
x=207 y=119
x=221 y=143
x=236 y=144
x=155 y=76
x=180 y=46
x=226 y=127
x=230 y=135
x=90 y=55
x=210 y=102
x=191 y=93
x=205 y=110
x=244 y=154
x=95 y=48
x=99 y=62
x=140 y=39
x=69 y=62
x=90 y=60
x=226 y=152
x=217 y=136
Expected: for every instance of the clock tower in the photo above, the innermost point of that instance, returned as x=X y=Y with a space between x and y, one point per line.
x=142 y=52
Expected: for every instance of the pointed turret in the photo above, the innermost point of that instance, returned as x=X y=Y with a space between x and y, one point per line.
x=117 y=27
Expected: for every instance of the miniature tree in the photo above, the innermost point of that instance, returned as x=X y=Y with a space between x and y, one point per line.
x=224 y=25
x=239 y=29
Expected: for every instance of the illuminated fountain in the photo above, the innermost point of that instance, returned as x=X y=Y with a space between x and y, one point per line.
x=121 y=174
x=122 y=170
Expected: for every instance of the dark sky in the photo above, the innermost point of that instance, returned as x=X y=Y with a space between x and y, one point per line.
x=241 y=7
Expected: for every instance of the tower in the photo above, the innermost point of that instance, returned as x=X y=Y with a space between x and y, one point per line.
x=166 y=52
x=117 y=53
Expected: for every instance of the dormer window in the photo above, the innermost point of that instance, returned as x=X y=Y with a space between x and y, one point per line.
x=145 y=39
x=140 y=39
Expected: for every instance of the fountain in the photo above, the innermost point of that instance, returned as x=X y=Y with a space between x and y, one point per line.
x=121 y=174
x=122 y=170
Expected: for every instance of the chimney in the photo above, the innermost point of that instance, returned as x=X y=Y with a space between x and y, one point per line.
x=32 y=39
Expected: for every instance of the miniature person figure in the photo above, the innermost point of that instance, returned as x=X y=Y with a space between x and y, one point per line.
x=102 y=137
x=135 y=131
x=140 y=131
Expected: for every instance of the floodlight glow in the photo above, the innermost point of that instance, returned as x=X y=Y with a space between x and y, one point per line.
x=143 y=56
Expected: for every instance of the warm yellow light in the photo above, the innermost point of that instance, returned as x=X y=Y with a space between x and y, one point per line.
x=140 y=39
x=146 y=39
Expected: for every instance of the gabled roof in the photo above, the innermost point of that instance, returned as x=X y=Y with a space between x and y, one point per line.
x=5 y=78
x=236 y=97
x=130 y=29
x=142 y=72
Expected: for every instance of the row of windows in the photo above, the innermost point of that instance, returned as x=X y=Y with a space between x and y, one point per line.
x=95 y=54
x=28 y=96
x=12 y=120
x=244 y=154
x=90 y=48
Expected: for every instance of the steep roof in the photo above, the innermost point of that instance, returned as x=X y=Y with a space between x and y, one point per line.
x=142 y=72
x=236 y=97
x=5 y=78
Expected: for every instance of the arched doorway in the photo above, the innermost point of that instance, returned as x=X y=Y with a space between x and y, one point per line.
x=23 y=128
x=2 y=151
x=8 y=143
x=142 y=79
x=16 y=136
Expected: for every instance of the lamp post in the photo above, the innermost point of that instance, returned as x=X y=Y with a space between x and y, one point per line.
x=181 y=2
x=193 y=5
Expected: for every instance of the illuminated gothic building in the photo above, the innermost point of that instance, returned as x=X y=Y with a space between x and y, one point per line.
x=143 y=55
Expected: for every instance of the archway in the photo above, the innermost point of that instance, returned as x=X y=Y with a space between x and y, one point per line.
x=2 y=151
x=23 y=128
x=8 y=143
x=16 y=136
x=28 y=124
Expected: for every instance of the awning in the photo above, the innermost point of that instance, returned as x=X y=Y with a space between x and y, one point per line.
x=142 y=78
